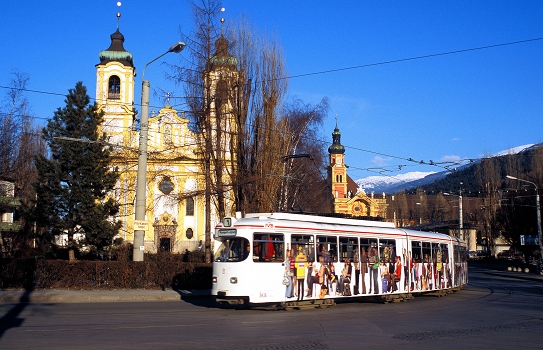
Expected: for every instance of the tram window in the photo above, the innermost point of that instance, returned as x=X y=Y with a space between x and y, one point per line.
x=445 y=253
x=307 y=242
x=387 y=250
x=463 y=254
x=268 y=247
x=426 y=252
x=233 y=250
x=456 y=254
x=435 y=249
x=347 y=246
x=416 y=251
x=327 y=248
x=365 y=244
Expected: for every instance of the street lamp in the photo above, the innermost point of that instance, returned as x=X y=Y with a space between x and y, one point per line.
x=140 y=226
x=539 y=235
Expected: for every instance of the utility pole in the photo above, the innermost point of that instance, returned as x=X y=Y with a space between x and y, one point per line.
x=461 y=217
x=140 y=225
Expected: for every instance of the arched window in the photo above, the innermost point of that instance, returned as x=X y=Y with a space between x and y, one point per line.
x=114 y=88
x=190 y=207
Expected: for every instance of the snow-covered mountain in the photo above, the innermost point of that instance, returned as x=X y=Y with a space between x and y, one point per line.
x=393 y=184
x=379 y=184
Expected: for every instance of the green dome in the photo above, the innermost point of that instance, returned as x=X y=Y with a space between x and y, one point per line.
x=336 y=147
x=116 y=51
x=222 y=58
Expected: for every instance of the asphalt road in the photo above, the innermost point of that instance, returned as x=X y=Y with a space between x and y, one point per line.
x=492 y=312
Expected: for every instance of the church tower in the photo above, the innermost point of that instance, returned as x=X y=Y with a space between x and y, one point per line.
x=115 y=90
x=220 y=130
x=338 y=167
x=349 y=199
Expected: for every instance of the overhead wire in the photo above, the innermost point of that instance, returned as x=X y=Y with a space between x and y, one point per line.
x=409 y=159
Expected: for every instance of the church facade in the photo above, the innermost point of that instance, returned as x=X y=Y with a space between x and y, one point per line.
x=349 y=199
x=175 y=203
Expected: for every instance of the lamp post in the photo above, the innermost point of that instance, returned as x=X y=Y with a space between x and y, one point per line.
x=539 y=235
x=140 y=226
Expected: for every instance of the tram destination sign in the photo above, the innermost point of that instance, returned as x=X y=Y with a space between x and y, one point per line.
x=227 y=232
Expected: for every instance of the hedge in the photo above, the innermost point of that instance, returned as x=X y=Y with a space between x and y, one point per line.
x=153 y=273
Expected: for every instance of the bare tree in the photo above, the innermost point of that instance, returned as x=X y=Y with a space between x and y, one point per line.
x=489 y=179
x=19 y=143
x=235 y=84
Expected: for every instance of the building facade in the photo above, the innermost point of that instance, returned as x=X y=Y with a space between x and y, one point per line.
x=176 y=178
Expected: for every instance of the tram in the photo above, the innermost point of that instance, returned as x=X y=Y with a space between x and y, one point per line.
x=288 y=259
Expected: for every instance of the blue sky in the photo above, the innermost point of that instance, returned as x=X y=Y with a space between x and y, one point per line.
x=455 y=106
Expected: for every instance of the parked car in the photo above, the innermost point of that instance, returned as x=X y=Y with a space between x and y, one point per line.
x=511 y=254
x=476 y=255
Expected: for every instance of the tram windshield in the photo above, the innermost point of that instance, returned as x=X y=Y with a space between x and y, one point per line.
x=233 y=250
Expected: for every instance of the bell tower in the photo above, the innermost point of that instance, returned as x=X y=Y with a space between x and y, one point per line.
x=338 y=170
x=115 y=89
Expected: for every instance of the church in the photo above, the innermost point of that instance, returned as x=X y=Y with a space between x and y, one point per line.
x=175 y=203
x=349 y=199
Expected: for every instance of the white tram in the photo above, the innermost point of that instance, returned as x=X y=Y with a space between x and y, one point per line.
x=286 y=258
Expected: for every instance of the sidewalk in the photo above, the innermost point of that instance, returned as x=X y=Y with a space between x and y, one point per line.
x=80 y=296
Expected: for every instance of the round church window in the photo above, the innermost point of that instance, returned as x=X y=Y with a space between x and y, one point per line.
x=166 y=186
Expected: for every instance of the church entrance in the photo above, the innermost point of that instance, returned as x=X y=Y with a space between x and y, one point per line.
x=165 y=231
x=164 y=245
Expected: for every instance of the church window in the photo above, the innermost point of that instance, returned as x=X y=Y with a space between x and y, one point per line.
x=114 y=88
x=166 y=186
x=190 y=206
x=189 y=233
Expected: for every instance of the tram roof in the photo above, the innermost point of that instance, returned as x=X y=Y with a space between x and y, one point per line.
x=320 y=219
x=414 y=234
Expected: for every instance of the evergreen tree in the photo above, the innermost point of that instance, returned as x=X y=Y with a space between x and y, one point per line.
x=74 y=184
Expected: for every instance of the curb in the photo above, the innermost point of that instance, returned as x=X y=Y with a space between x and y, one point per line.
x=83 y=296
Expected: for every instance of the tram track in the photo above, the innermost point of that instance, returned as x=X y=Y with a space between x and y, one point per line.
x=493 y=294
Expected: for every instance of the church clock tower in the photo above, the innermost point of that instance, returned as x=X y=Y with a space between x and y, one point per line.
x=115 y=90
x=348 y=198
x=338 y=168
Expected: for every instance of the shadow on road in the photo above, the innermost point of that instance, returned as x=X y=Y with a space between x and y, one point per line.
x=206 y=300
x=11 y=319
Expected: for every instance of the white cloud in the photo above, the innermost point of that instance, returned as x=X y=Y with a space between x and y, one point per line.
x=453 y=159
x=379 y=161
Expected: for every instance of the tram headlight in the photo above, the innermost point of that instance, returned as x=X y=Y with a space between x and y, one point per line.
x=233 y=280
x=214 y=279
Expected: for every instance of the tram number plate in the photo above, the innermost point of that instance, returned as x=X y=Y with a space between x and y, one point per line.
x=227 y=233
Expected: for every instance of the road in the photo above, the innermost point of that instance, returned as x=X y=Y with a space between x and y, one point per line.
x=492 y=312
